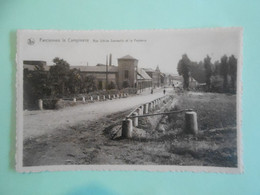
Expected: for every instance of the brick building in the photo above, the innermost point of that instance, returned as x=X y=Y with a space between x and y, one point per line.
x=126 y=74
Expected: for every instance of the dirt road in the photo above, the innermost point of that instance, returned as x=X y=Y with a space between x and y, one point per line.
x=37 y=123
x=89 y=141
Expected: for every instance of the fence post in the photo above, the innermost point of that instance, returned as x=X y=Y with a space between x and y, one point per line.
x=98 y=98
x=139 y=111
x=135 y=119
x=74 y=99
x=109 y=96
x=40 y=104
x=83 y=99
x=114 y=96
x=104 y=97
x=127 y=128
x=191 y=123
x=150 y=106
x=91 y=98
x=145 y=108
x=142 y=110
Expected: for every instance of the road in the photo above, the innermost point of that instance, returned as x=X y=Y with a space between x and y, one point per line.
x=37 y=123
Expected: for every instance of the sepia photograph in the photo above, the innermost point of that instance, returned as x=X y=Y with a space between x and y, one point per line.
x=156 y=100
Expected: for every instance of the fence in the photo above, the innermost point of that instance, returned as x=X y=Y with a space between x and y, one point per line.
x=82 y=99
x=144 y=110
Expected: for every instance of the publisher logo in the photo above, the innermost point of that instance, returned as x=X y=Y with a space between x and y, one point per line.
x=31 y=41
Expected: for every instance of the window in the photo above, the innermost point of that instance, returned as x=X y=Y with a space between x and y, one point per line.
x=126 y=74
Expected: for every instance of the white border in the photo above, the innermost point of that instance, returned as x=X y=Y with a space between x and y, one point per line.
x=161 y=168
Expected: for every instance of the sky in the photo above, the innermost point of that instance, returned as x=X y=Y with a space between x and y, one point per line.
x=163 y=48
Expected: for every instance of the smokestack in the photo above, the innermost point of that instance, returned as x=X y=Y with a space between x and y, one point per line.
x=110 y=59
x=106 y=73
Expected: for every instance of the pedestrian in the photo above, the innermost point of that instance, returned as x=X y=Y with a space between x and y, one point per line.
x=164 y=91
x=151 y=91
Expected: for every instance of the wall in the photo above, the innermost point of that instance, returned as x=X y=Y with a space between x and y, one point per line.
x=132 y=14
x=129 y=65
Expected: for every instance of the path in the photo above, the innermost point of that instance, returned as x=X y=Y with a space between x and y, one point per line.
x=38 y=123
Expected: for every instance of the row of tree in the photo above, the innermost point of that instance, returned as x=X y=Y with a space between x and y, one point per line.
x=58 y=82
x=219 y=76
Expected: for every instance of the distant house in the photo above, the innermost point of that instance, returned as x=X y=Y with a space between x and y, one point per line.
x=155 y=75
x=31 y=65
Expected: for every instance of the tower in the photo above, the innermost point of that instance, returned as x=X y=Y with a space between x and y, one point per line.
x=157 y=79
x=127 y=72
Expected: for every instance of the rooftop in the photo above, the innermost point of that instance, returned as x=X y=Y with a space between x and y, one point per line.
x=127 y=57
x=141 y=74
x=98 y=68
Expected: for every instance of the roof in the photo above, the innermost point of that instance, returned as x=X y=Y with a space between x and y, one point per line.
x=99 y=68
x=34 y=62
x=127 y=57
x=141 y=74
x=148 y=70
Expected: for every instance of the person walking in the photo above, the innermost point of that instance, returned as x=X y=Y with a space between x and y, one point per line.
x=164 y=91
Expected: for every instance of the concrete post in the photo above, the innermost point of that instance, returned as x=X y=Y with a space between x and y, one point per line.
x=142 y=110
x=98 y=98
x=191 y=123
x=83 y=99
x=135 y=120
x=109 y=97
x=104 y=97
x=114 y=96
x=118 y=96
x=74 y=100
x=91 y=98
x=145 y=108
x=127 y=128
x=40 y=104
x=139 y=111
x=150 y=107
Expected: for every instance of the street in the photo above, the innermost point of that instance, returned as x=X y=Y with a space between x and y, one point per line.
x=37 y=123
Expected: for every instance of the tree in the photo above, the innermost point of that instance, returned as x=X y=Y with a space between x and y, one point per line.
x=208 y=71
x=59 y=76
x=75 y=81
x=35 y=86
x=232 y=61
x=111 y=85
x=184 y=70
x=89 y=84
x=224 y=69
x=125 y=84
x=216 y=70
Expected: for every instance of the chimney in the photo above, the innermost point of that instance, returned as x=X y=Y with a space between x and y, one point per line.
x=110 y=59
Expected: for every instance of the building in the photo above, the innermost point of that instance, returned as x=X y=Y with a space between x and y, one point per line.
x=103 y=74
x=126 y=74
x=31 y=65
x=155 y=76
